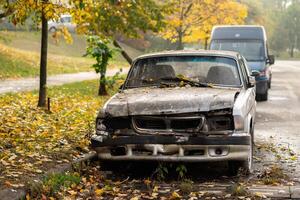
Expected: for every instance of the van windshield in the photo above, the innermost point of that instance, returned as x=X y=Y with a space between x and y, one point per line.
x=252 y=50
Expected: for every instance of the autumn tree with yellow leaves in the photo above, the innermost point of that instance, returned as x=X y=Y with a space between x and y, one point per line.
x=103 y=18
x=192 y=20
x=40 y=11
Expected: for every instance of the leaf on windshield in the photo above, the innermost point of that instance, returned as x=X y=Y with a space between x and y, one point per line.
x=180 y=76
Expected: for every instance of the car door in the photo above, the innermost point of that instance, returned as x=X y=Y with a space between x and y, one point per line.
x=250 y=93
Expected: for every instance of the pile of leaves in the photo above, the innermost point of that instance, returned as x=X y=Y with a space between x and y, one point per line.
x=33 y=140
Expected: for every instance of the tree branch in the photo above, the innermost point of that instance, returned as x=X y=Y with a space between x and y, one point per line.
x=8 y=11
x=124 y=53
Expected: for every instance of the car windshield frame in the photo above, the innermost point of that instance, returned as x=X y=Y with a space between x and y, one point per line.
x=134 y=64
x=258 y=41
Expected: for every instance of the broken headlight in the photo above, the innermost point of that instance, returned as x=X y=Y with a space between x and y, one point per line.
x=101 y=128
x=220 y=123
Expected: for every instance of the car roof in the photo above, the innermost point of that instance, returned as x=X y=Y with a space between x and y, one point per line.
x=231 y=54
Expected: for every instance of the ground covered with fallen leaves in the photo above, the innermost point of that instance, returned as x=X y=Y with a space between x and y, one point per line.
x=32 y=140
x=150 y=180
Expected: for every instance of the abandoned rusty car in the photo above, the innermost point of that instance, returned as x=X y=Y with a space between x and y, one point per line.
x=185 y=106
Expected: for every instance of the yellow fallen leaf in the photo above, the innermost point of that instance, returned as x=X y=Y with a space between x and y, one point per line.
x=175 y=196
x=99 y=192
x=72 y=192
x=293 y=158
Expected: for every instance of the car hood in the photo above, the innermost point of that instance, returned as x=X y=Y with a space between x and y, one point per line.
x=155 y=101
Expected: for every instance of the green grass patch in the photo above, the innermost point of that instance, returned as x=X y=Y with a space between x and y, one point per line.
x=86 y=88
x=55 y=182
x=52 y=183
x=15 y=67
x=20 y=55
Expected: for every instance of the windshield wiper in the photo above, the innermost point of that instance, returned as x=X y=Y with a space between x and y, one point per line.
x=190 y=82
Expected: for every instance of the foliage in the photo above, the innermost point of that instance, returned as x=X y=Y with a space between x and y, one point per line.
x=24 y=9
x=161 y=171
x=106 y=18
x=238 y=190
x=192 y=20
x=32 y=140
x=102 y=53
x=288 y=30
x=181 y=170
x=54 y=182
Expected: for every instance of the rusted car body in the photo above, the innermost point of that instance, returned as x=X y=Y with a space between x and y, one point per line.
x=166 y=112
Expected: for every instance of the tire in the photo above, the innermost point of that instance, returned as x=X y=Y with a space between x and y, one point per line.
x=262 y=97
x=245 y=166
x=52 y=29
x=270 y=83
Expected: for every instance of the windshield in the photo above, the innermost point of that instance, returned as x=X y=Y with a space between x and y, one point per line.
x=252 y=50
x=184 y=70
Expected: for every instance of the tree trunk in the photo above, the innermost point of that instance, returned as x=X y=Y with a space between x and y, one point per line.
x=179 y=43
x=292 y=51
x=102 y=89
x=123 y=52
x=43 y=63
x=205 y=43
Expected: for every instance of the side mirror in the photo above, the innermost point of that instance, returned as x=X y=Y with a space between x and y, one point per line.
x=255 y=73
x=121 y=87
x=271 y=59
x=252 y=81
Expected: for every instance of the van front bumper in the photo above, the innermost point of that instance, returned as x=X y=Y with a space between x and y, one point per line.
x=172 y=148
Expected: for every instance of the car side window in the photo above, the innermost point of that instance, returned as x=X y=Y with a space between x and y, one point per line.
x=244 y=73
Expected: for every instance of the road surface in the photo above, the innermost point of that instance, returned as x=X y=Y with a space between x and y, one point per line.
x=279 y=117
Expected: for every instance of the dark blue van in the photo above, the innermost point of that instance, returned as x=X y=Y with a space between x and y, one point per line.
x=251 y=42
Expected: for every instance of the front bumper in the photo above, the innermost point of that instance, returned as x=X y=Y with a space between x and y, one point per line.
x=173 y=148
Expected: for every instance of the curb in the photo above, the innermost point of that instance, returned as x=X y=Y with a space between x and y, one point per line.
x=16 y=194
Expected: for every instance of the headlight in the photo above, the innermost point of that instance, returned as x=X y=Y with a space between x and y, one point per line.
x=239 y=123
x=101 y=128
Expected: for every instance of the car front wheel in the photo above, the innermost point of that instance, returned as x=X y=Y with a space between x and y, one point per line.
x=245 y=166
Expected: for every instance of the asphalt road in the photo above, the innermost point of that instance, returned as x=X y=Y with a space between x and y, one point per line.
x=279 y=117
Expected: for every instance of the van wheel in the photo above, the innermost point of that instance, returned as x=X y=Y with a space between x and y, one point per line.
x=52 y=29
x=262 y=97
x=270 y=83
x=244 y=166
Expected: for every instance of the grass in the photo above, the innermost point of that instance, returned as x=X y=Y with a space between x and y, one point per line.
x=284 y=55
x=53 y=183
x=19 y=55
x=14 y=67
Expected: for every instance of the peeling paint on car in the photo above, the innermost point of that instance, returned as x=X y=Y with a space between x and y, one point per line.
x=156 y=101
